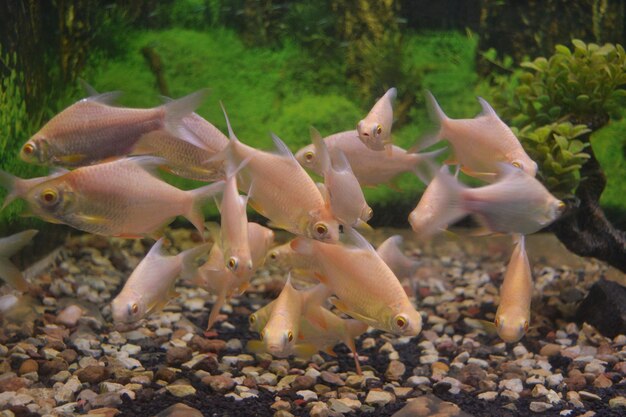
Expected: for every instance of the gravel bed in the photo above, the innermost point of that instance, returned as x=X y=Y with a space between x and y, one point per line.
x=60 y=354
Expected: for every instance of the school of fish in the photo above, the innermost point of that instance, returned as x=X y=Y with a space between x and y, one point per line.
x=105 y=181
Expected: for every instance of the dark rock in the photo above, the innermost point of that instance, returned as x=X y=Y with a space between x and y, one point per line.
x=93 y=374
x=605 y=308
x=250 y=382
x=177 y=355
x=470 y=374
x=108 y=399
x=332 y=378
x=52 y=367
x=165 y=374
x=69 y=355
x=209 y=364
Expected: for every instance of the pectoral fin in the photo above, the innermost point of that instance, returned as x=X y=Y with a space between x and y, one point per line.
x=344 y=309
x=256 y=346
x=71 y=159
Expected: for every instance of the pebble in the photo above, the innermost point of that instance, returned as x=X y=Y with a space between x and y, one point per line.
x=28 y=366
x=332 y=378
x=395 y=371
x=179 y=410
x=488 y=395
x=379 y=398
x=586 y=395
x=267 y=378
x=307 y=395
x=539 y=407
x=219 y=383
x=131 y=349
x=319 y=409
x=514 y=385
x=68 y=390
x=304 y=382
x=178 y=355
x=180 y=390
x=415 y=381
x=93 y=374
x=617 y=402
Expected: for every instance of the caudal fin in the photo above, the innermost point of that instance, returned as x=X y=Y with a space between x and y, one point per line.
x=189 y=256
x=9 y=181
x=176 y=110
x=426 y=166
x=199 y=197
x=439 y=117
x=8 y=247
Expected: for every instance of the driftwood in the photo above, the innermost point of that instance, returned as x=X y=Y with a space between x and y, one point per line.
x=156 y=66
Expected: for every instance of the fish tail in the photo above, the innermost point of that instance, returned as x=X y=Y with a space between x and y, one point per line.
x=176 y=110
x=321 y=149
x=450 y=203
x=199 y=197
x=426 y=166
x=8 y=247
x=189 y=256
x=10 y=182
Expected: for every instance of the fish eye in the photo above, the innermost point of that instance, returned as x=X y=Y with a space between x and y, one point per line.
x=516 y=164
x=233 y=263
x=252 y=319
x=561 y=206
x=273 y=256
x=497 y=322
x=49 y=196
x=133 y=309
x=309 y=156
x=525 y=327
x=262 y=335
x=369 y=213
x=290 y=336
x=321 y=229
x=379 y=129
x=28 y=149
x=401 y=322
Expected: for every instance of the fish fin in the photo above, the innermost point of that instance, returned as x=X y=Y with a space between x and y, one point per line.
x=156 y=249
x=304 y=350
x=302 y=245
x=9 y=181
x=321 y=277
x=215 y=309
x=148 y=163
x=437 y=115
x=391 y=94
x=231 y=133
x=389 y=149
x=425 y=166
x=71 y=159
x=487 y=111
x=329 y=351
x=354 y=329
x=12 y=244
x=321 y=150
x=317 y=295
x=488 y=326
x=450 y=202
x=11 y=274
x=361 y=225
x=480 y=175
x=176 y=110
x=91 y=219
x=358 y=240
x=282 y=148
x=451 y=160
x=271 y=223
x=243 y=288
x=340 y=161
x=198 y=197
x=256 y=346
x=109 y=98
x=341 y=306
x=189 y=256
x=215 y=231
x=323 y=189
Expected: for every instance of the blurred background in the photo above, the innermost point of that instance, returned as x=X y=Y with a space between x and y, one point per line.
x=283 y=65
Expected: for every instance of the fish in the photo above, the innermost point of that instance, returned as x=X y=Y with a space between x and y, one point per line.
x=234 y=225
x=285 y=257
x=516 y=203
x=283 y=325
x=183 y=158
x=401 y=265
x=481 y=143
x=370 y=167
x=513 y=314
x=91 y=130
x=19 y=186
x=216 y=278
x=429 y=206
x=281 y=190
x=121 y=198
x=151 y=285
x=347 y=201
x=9 y=246
x=375 y=129
x=366 y=288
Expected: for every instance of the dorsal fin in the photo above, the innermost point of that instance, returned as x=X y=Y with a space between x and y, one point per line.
x=358 y=240
x=282 y=148
x=155 y=250
x=487 y=109
x=321 y=150
x=340 y=160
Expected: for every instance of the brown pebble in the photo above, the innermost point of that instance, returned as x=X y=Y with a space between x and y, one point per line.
x=202 y=345
x=13 y=383
x=69 y=355
x=104 y=412
x=29 y=365
x=93 y=374
x=331 y=378
x=395 y=371
x=209 y=364
x=250 y=382
x=177 y=355
x=602 y=382
x=179 y=410
x=219 y=383
x=551 y=349
x=55 y=344
x=52 y=367
x=575 y=380
x=303 y=382
x=471 y=374
x=165 y=374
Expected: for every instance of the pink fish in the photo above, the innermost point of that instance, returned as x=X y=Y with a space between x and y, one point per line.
x=516 y=203
x=370 y=167
x=433 y=202
x=402 y=266
x=183 y=158
x=366 y=288
x=513 y=314
x=282 y=191
x=151 y=284
x=375 y=129
x=347 y=201
x=19 y=186
x=118 y=198
x=91 y=130
x=481 y=143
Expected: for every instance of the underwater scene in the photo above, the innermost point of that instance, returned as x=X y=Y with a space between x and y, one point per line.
x=312 y=208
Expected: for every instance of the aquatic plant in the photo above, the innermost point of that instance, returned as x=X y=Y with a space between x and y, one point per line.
x=556 y=104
